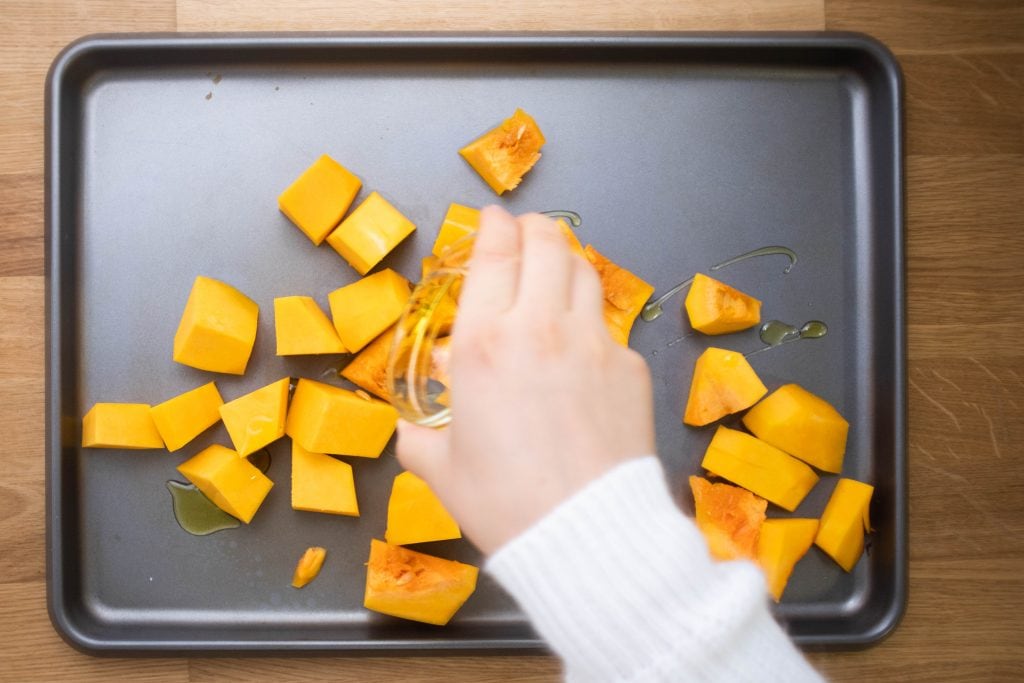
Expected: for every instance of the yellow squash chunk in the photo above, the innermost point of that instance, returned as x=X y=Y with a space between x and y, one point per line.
x=120 y=425
x=233 y=483
x=369 y=369
x=328 y=419
x=459 y=222
x=369 y=233
x=302 y=328
x=624 y=295
x=781 y=545
x=410 y=585
x=428 y=265
x=319 y=197
x=309 y=566
x=256 y=419
x=367 y=307
x=716 y=308
x=802 y=424
x=218 y=328
x=844 y=522
x=416 y=515
x=729 y=517
x=186 y=416
x=503 y=155
x=758 y=467
x=321 y=483
x=723 y=383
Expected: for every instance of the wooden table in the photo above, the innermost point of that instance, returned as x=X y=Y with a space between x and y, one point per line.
x=964 y=68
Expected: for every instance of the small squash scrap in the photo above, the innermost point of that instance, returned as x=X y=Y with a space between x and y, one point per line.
x=309 y=566
x=624 y=295
x=120 y=425
x=758 y=467
x=803 y=425
x=781 y=545
x=186 y=416
x=217 y=329
x=411 y=585
x=723 y=383
x=328 y=419
x=230 y=481
x=301 y=328
x=716 y=308
x=369 y=369
x=416 y=515
x=844 y=522
x=257 y=418
x=729 y=517
x=319 y=197
x=503 y=155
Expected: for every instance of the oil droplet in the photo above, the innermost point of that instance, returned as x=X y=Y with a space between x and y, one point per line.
x=653 y=309
x=776 y=333
x=574 y=218
x=261 y=460
x=195 y=513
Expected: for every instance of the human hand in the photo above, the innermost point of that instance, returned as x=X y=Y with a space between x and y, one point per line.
x=543 y=400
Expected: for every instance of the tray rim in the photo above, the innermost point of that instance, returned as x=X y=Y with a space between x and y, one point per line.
x=82 y=49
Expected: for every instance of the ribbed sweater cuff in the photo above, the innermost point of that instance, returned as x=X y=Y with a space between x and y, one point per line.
x=620 y=584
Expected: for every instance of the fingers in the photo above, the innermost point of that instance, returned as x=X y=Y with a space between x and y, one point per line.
x=422 y=450
x=587 y=293
x=546 y=272
x=490 y=285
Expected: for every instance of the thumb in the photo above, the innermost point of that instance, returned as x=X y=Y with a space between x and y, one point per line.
x=423 y=451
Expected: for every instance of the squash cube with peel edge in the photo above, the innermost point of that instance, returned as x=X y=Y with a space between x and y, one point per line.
x=301 y=328
x=624 y=294
x=845 y=521
x=781 y=545
x=186 y=416
x=729 y=517
x=758 y=467
x=503 y=155
x=217 y=329
x=416 y=515
x=329 y=419
x=230 y=481
x=257 y=418
x=319 y=197
x=369 y=233
x=723 y=383
x=321 y=483
x=803 y=425
x=367 y=307
x=716 y=308
x=411 y=585
x=369 y=369
x=309 y=566
x=120 y=425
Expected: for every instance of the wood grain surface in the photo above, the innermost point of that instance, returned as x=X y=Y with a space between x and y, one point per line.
x=964 y=68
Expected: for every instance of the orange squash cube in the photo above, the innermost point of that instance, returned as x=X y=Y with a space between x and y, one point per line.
x=844 y=522
x=369 y=233
x=369 y=369
x=319 y=197
x=367 y=307
x=723 y=383
x=120 y=425
x=729 y=517
x=257 y=418
x=716 y=308
x=781 y=545
x=302 y=328
x=459 y=222
x=217 y=329
x=416 y=514
x=624 y=294
x=186 y=416
x=503 y=155
x=803 y=425
x=329 y=419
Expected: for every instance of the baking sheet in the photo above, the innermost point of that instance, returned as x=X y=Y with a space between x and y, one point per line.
x=165 y=155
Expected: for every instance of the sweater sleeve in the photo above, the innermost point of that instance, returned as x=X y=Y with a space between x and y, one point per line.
x=620 y=584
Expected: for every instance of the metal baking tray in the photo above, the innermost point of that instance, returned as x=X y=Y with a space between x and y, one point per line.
x=164 y=158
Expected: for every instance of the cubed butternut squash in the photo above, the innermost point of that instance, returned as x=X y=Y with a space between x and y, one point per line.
x=369 y=233
x=503 y=155
x=367 y=307
x=321 y=483
x=845 y=521
x=723 y=383
x=120 y=425
x=803 y=425
x=716 y=308
x=186 y=416
x=317 y=199
x=328 y=419
x=257 y=418
x=758 y=467
x=459 y=222
x=729 y=517
x=412 y=585
x=301 y=328
x=369 y=369
x=416 y=515
x=217 y=329
x=230 y=481
x=781 y=545
x=624 y=294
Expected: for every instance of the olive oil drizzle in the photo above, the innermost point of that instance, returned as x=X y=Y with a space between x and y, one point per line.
x=652 y=310
x=776 y=333
x=197 y=514
x=574 y=218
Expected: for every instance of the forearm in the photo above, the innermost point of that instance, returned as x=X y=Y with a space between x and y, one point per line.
x=619 y=583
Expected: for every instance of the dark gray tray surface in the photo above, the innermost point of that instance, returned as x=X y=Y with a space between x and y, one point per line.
x=165 y=155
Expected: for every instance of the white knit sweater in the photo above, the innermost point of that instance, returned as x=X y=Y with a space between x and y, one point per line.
x=620 y=584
